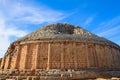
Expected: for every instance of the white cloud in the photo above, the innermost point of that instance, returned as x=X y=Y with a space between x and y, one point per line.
x=104 y=26
x=110 y=32
x=5 y=34
x=118 y=42
x=13 y=13
x=109 y=29
x=3 y=1
x=31 y=14
x=88 y=21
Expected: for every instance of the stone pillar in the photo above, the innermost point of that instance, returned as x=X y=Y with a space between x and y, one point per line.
x=90 y=56
x=39 y=56
x=0 y=62
x=62 y=55
x=84 y=55
x=118 y=53
x=9 y=62
x=31 y=57
x=36 y=56
x=49 y=56
x=98 y=52
x=109 y=56
x=106 y=57
x=112 y=62
x=23 y=59
x=3 y=63
x=17 y=62
x=102 y=61
x=75 y=55
x=86 y=48
x=95 y=56
x=115 y=58
x=27 y=49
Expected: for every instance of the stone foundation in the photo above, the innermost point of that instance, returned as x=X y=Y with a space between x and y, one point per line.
x=56 y=74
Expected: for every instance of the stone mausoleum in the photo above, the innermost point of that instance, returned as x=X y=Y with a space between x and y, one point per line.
x=60 y=52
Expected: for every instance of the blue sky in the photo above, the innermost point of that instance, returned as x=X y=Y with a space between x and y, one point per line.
x=20 y=17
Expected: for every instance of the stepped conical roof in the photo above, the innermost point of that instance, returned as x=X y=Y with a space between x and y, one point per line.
x=64 y=31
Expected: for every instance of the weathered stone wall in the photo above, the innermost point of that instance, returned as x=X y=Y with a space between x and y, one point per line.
x=42 y=57
x=13 y=61
x=62 y=55
x=0 y=62
x=55 y=55
x=82 y=58
x=23 y=56
x=7 y=60
x=31 y=56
